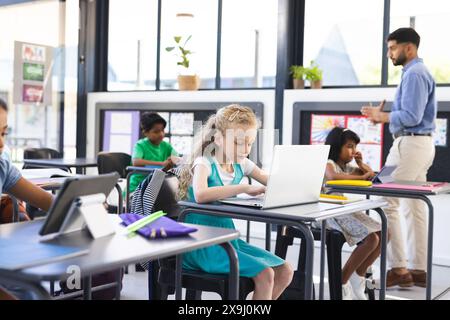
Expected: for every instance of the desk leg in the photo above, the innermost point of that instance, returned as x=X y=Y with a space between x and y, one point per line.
x=127 y=203
x=120 y=201
x=119 y=282
x=384 y=232
x=87 y=285
x=268 y=235
x=233 y=278
x=430 y=246
x=178 y=270
x=323 y=235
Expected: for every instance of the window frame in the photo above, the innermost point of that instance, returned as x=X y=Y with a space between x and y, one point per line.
x=299 y=43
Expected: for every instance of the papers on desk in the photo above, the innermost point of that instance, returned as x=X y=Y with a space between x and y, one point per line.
x=16 y=255
x=337 y=199
x=44 y=173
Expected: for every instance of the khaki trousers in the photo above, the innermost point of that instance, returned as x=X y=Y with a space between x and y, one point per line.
x=413 y=156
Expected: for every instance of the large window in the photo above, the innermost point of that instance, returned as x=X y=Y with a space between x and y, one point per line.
x=249 y=43
x=195 y=18
x=345 y=39
x=132 y=44
x=432 y=21
x=38 y=78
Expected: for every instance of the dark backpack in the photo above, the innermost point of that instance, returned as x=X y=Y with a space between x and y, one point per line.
x=98 y=280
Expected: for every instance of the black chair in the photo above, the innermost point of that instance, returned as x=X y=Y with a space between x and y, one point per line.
x=161 y=275
x=196 y=282
x=108 y=162
x=334 y=242
x=40 y=153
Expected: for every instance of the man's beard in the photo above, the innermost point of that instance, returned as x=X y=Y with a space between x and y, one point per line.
x=400 y=60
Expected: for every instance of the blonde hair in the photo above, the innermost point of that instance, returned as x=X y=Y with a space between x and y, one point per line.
x=225 y=118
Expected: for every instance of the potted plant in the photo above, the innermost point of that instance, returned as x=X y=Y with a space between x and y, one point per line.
x=186 y=80
x=314 y=75
x=298 y=75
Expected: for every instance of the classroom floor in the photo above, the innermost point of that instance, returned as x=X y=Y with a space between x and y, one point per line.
x=135 y=283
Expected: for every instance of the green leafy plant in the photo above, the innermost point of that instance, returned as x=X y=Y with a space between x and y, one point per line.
x=183 y=53
x=313 y=73
x=297 y=72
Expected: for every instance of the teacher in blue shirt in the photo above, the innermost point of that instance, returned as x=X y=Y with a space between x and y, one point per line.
x=411 y=122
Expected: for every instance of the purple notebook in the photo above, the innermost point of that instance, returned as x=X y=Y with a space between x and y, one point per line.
x=161 y=228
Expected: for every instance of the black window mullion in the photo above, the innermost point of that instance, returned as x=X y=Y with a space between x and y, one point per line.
x=101 y=49
x=219 y=42
x=291 y=24
x=158 y=49
x=384 y=58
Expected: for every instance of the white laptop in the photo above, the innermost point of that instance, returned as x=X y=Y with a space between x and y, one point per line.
x=296 y=177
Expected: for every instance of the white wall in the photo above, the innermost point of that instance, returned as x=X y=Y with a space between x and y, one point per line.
x=441 y=252
x=267 y=97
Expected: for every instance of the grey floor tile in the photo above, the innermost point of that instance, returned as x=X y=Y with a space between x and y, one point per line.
x=135 y=283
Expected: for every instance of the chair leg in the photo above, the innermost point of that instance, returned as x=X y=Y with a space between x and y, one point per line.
x=333 y=272
x=334 y=256
x=164 y=293
x=282 y=243
x=52 y=288
x=243 y=295
x=295 y=289
x=154 y=287
x=370 y=284
x=193 y=294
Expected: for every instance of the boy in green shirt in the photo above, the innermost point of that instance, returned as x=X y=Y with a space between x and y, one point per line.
x=152 y=150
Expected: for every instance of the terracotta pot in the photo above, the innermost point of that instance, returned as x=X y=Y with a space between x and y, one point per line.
x=188 y=82
x=298 y=83
x=316 y=84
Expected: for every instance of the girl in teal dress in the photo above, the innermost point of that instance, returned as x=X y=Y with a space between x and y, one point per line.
x=218 y=164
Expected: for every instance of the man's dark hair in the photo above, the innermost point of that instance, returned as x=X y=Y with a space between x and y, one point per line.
x=149 y=119
x=337 y=138
x=3 y=105
x=404 y=35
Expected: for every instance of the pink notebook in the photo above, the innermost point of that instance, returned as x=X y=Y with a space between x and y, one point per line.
x=426 y=186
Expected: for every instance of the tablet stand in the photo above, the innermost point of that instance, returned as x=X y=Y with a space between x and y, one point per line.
x=88 y=211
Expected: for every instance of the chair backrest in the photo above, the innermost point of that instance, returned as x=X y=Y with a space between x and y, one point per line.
x=167 y=196
x=39 y=153
x=156 y=192
x=108 y=162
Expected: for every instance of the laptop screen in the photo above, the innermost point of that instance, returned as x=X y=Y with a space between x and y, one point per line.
x=385 y=175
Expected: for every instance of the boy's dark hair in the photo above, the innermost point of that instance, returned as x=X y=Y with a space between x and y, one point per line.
x=149 y=119
x=3 y=105
x=404 y=35
x=337 y=138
